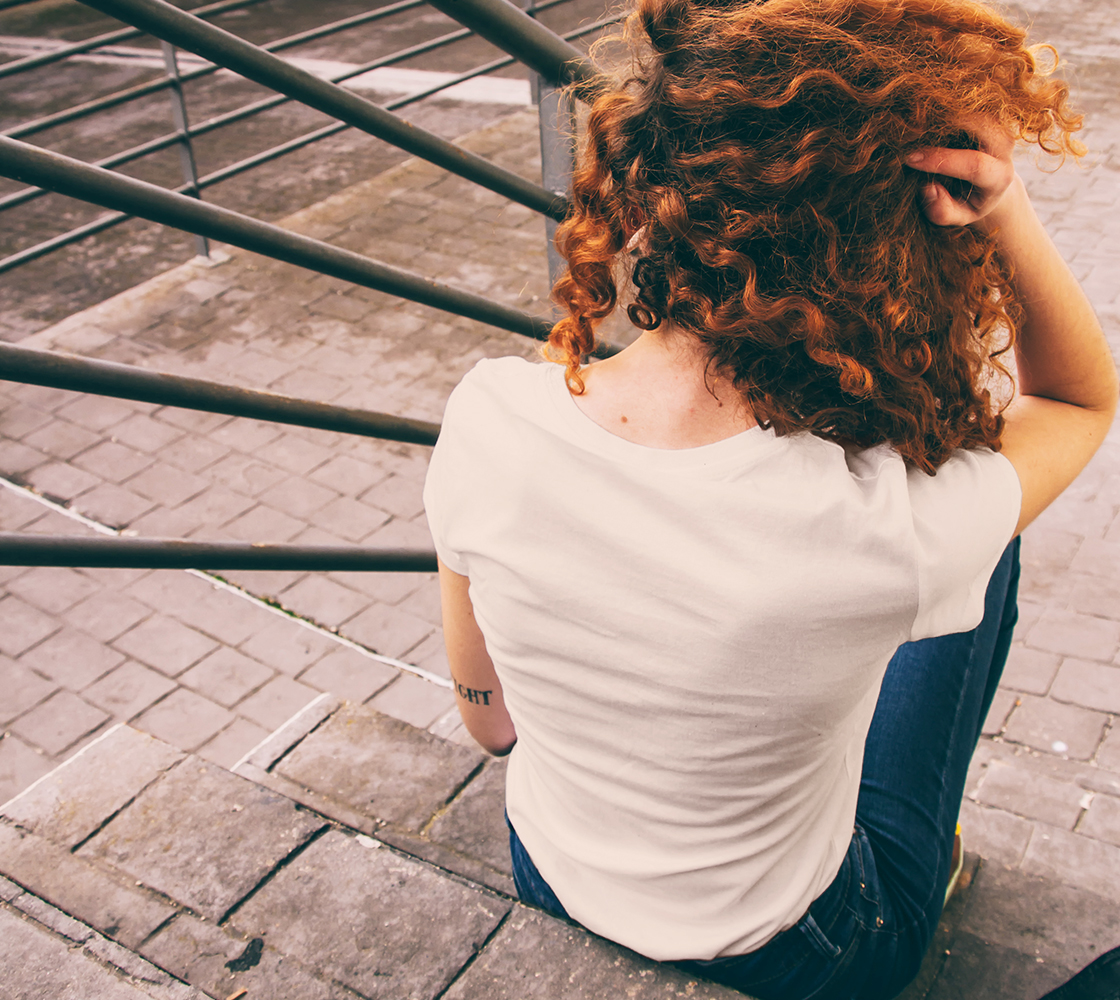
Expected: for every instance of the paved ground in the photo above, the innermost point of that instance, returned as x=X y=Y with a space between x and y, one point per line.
x=201 y=665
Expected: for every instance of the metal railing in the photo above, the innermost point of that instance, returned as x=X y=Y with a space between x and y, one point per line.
x=548 y=54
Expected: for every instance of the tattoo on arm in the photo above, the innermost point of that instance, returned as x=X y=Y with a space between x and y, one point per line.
x=473 y=695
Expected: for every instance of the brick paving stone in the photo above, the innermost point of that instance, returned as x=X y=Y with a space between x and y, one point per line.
x=294 y=453
x=57 y=479
x=297 y=497
x=245 y=435
x=232 y=743
x=225 y=616
x=403 y=534
x=113 y=461
x=106 y=614
x=388 y=588
x=1109 y=754
x=1073 y=634
x=414 y=700
x=16 y=458
x=431 y=655
x=276 y=702
x=1031 y=795
x=534 y=956
x=424 y=602
x=384 y=925
x=387 y=630
x=324 y=601
x=61 y=439
x=165 y=644
x=380 y=767
x=52 y=588
x=1041 y=723
x=16 y=511
x=128 y=690
x=226 y=676
x=1096 y=595
x=1098 y=558
x=1002 y=705
x=348 y=674
x=171 y=417
x=349 y=518
x=79 y=888
x=72 y=658
x=228 y=833
x=288 y=647
x=994 y=834
x=1078 y=860
x=215 y=506
x=1030 y=670
x=20 y=420
x=397 y=495
x=97 y=413
x=113 y=505
x=1102 y=820
x=193 y=453
x=167 y=485
x=245 y=475
x=1088 y=684
x=20 y=765
x=348 y=475
x=23 y=689
x=1047 y=557
x=59 y=722
x=184 y=719
x=202 y=954
x=263 y=524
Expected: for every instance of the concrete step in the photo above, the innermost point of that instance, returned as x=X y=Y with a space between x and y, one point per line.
x=353 y=855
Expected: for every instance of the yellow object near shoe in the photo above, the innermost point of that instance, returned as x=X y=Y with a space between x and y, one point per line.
x=956 y=864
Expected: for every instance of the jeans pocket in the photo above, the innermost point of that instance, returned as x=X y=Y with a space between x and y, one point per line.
x=817 y=938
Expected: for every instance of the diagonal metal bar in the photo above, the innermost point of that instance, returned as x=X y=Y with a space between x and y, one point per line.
x=507 y=26
x=30 y=164
x=173 y=25
x=173 y=553
x=109 y=38
x=108 y=378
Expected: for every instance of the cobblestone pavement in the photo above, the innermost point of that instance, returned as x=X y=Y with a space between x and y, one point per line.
x=199 y=664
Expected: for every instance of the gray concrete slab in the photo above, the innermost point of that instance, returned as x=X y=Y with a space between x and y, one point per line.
x=474 y=823
x=535 y=956
x=35 y=964
x=75 y=799
x=109 y=904
x=220 y=962
x=380 y=766
x=383 y=924
x=202 y=836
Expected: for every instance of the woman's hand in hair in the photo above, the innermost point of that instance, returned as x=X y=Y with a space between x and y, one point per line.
x=965 y=186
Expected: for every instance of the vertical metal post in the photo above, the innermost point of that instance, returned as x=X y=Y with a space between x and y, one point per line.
x=558 y=150
x=186 y=150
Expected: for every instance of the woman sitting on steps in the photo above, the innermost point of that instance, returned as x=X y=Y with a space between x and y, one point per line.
x=738 y=598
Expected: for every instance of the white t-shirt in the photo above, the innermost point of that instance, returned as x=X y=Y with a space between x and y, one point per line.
x=691 y=643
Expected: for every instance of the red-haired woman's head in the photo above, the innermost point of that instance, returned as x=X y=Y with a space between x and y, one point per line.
x=761 y=146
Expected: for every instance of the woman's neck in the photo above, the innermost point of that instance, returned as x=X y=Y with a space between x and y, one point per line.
x=654 y=393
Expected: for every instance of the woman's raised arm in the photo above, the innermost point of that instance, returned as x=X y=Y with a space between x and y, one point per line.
x=1067 y=377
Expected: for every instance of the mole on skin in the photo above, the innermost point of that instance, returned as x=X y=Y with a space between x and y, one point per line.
x=624 y=420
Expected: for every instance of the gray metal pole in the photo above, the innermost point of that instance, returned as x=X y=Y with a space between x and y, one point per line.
x=557 y=127
x=186 y=148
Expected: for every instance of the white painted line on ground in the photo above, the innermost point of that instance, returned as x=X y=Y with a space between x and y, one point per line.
x=221 y=584
x=306 y=708
x=383 y=80
x=54 y=770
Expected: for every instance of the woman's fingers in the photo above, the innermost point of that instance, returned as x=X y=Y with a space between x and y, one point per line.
x=964 y=184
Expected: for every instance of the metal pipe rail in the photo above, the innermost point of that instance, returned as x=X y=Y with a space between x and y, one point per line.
x=172 y=25
x=144 y=89
x=110 y=38
x=109 y=378
x=27 y=163
x=173 y=553
x=514 y=31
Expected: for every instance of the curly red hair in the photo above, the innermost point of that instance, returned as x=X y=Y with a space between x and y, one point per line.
x=761 y=145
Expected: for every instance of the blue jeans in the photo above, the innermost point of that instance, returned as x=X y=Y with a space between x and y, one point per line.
x=865 y=936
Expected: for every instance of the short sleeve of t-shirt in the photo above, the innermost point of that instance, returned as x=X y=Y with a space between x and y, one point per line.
x=964 y=517
x=449 y=473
